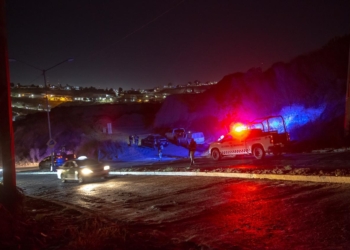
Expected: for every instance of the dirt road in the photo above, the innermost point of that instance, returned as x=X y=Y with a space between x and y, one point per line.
x=211 y=213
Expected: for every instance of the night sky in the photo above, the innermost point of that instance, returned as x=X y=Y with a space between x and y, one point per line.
x=150 y=43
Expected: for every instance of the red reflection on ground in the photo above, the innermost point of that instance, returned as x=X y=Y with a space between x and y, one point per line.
x=245 y=167
x=248 y=216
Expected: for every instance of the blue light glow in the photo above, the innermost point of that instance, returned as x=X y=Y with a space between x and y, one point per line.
x=296 y=116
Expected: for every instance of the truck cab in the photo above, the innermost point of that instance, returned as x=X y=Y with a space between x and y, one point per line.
x=259 y=137
x=175 y=134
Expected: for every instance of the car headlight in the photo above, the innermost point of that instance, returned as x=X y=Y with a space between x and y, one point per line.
x=86 y=171
x=106 y=168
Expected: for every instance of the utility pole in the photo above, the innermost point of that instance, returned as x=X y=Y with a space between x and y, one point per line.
x=51 y=143
x=347 y=101
x=6 y=128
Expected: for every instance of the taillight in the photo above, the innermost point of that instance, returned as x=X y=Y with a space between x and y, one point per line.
x=271 y=139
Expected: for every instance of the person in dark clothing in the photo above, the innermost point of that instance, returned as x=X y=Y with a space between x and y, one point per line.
x=131 y=139
x=160 y=150
x=136 y=140
x=192 y=149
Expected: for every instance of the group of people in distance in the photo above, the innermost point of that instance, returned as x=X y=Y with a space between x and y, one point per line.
x=191 y=151
x=134 y=139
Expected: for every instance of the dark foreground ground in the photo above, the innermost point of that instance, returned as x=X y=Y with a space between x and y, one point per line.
x=152 y=212
x=172 y=212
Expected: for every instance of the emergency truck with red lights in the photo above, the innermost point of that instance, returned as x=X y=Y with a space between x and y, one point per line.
x=258 y=138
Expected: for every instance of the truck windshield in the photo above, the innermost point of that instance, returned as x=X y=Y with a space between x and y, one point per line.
x=179 y=131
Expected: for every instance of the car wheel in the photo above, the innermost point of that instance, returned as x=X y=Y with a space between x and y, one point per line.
x=63 y=179
x=258 y=152
x=81 y=179
x=215 y=154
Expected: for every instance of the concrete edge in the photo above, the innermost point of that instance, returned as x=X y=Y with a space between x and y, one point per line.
x=306 y=178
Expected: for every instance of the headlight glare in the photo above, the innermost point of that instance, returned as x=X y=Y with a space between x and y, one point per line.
x=106 y=168
x=86 y=171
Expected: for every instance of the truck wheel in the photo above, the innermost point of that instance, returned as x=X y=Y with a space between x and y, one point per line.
x=258 y=152
x=215 y=154
x=277 y=152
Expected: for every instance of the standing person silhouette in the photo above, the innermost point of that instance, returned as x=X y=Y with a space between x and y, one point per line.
x=131 y=140
x=136 y=139
x=192 y=149
x=160 y=149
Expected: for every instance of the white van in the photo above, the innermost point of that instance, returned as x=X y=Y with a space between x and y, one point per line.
x=198 y=137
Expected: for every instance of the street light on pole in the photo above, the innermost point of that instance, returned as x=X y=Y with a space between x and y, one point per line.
x=51 y=143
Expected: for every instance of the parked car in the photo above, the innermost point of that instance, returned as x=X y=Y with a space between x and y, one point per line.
x=152 y=140
x=175 y=134
x=46 y=163
x=58 y=160
x=82 y=169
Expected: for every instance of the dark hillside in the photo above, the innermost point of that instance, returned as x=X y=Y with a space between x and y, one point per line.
x=75 y=126
x=309 y=91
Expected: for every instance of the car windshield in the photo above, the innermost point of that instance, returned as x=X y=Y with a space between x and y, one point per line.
x=87 y=162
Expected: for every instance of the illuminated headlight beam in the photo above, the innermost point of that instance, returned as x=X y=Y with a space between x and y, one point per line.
x=86 y=171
